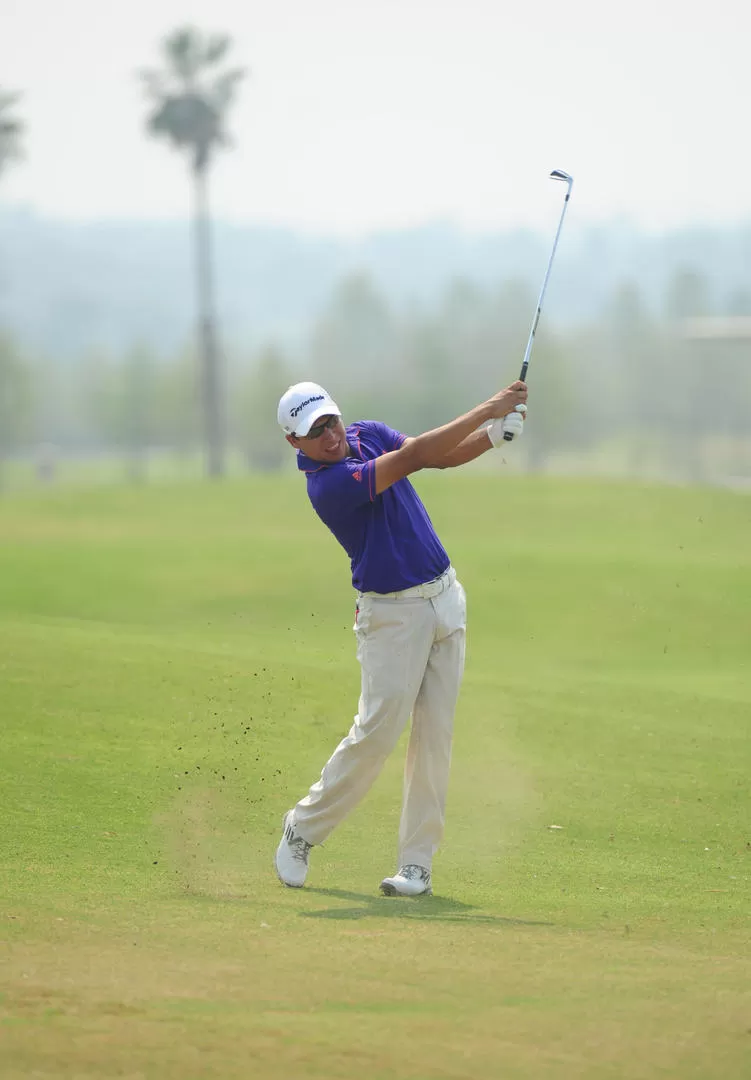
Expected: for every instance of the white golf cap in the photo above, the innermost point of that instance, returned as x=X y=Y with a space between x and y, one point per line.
x=302 y=405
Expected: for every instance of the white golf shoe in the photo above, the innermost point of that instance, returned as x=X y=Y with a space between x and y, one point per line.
x=292 y=855
x=411 y=880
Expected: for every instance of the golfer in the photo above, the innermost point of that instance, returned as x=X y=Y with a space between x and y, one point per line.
x=410 y=616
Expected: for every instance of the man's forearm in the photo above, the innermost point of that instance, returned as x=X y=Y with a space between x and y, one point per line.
x=433 y=448
x=474 y=446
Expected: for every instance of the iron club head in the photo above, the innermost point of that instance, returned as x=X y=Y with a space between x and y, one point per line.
x=559 y=174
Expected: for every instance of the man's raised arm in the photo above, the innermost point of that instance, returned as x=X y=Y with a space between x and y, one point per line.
x=436 y=448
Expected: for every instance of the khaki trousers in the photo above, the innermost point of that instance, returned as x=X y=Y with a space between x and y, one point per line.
x=411 y=651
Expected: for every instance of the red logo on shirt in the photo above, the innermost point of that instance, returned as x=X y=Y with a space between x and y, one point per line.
x=357 y=474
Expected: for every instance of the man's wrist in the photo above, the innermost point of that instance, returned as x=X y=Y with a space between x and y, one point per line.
x=487 y=410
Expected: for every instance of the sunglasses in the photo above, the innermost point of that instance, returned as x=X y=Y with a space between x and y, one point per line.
x=318 y=430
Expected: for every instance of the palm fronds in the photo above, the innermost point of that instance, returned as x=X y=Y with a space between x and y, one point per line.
x=11 y=129
x=190 y=98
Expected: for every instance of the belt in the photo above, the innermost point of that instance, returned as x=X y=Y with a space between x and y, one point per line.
x=426 y=591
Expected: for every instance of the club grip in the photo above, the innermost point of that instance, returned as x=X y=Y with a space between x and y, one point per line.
x=508 y=435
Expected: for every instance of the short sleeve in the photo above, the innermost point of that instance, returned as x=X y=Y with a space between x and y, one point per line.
x=390 y=439
x=346 y=486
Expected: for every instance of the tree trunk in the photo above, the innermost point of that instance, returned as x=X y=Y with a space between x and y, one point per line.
x=211 y=381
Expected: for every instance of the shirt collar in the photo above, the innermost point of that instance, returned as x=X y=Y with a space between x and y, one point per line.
x=307 y=465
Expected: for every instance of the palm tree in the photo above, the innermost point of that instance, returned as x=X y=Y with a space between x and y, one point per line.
x=190 y=99
x=10 y=130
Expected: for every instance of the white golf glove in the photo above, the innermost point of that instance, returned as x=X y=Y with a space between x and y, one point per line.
x=513 y=423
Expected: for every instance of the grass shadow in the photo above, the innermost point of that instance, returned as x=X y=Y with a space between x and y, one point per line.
x=435 y=908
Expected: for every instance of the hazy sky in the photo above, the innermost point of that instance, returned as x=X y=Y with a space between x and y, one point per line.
x=364 y=114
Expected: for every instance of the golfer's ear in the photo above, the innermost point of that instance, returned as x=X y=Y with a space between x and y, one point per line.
x=292 y=440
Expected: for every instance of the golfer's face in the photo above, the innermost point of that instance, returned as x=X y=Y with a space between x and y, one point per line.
x=326 y=441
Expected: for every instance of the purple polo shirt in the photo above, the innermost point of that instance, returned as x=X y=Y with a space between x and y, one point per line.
x=389 y=537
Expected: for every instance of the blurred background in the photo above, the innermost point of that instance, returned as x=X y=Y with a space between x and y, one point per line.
x=194 y=214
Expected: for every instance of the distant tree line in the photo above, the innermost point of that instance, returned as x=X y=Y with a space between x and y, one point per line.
x=626 y=377
x=630 y=376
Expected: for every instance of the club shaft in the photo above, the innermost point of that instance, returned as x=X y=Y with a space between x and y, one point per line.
x=528 y=350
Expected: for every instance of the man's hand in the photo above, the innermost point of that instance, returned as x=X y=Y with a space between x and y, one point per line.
x=505 y=401
x=512 y=424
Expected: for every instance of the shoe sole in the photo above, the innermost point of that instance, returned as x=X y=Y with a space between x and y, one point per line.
x=286 y=884
x=391 y=890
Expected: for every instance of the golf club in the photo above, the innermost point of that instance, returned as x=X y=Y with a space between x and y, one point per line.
x=557 y=174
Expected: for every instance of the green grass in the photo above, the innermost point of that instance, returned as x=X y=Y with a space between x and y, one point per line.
x=176 y=663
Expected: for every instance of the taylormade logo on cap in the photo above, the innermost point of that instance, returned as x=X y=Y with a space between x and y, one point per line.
x=302 y=405
x=299 y=408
